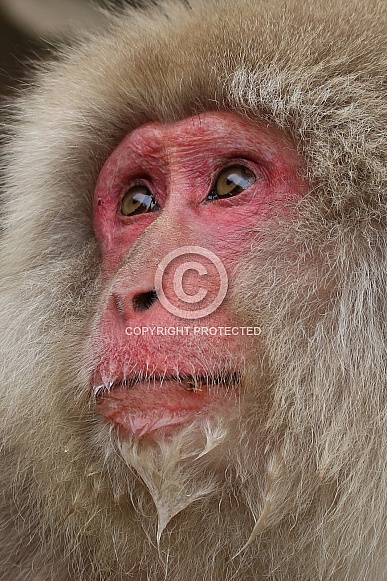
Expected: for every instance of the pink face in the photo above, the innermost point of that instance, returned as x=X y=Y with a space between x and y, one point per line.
x=207 y=181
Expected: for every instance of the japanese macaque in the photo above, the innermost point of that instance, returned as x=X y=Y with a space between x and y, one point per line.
x=193 y=299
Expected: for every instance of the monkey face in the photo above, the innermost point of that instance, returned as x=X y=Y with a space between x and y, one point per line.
x=168 y=195
x=206 y=181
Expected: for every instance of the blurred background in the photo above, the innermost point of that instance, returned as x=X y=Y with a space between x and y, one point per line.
x=30 y=28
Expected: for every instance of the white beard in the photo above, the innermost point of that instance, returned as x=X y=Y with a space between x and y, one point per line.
x=173 y=466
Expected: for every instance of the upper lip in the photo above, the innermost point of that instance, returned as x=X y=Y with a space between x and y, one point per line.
x=191 y=382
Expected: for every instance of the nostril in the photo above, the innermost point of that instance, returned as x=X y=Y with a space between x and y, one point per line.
x=143 y=301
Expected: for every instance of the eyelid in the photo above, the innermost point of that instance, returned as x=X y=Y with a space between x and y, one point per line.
x=255 y=166
x=144 y=182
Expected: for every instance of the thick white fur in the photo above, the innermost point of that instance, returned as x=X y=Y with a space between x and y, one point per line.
x=296 y=489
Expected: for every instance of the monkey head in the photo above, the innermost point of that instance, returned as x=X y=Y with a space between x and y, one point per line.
x=192 y=299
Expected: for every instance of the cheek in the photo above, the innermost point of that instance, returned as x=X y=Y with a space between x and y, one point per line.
x=229 y=230
x=114 y=236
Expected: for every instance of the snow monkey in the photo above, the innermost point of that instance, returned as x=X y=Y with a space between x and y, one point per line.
x=193 y=298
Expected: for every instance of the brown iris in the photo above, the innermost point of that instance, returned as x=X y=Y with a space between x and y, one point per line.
x=138 y=200
x=232 y=181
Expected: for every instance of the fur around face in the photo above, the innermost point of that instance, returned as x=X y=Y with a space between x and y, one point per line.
x=304 y=494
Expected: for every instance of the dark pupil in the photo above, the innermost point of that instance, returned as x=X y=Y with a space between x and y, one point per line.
x=137 y=200
x=232 y=181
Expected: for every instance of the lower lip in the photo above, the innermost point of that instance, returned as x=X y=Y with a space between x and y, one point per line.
x=146 y=407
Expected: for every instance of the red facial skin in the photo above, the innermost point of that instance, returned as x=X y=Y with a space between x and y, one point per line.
x=179 y=163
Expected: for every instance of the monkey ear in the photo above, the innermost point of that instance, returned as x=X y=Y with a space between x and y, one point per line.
x=54 y=18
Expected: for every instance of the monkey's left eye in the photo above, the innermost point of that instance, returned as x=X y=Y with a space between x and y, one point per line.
x=138 y=200
x=232 y=181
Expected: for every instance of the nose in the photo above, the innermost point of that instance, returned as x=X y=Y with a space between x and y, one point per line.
x=126 y=303
x=134 y=288
x=143 y=301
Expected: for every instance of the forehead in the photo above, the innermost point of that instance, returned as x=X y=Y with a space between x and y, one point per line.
x=215 y=129
x=197 y=125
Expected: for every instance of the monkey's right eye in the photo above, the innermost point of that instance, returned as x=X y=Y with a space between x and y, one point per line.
x=138 y=200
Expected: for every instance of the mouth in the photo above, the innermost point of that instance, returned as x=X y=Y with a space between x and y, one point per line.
x=143 y=404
